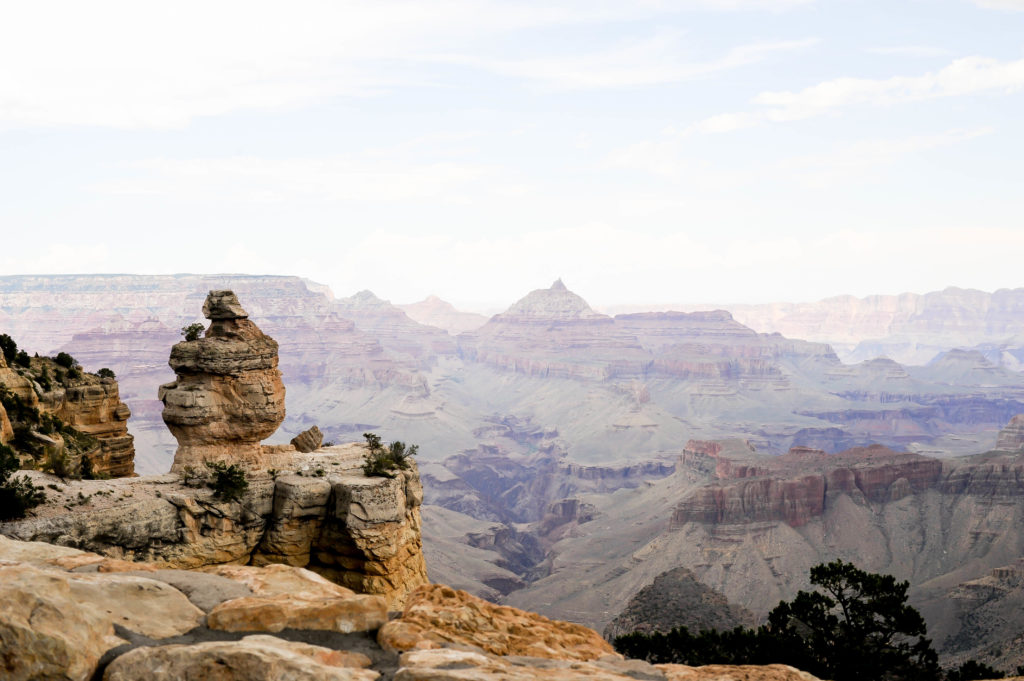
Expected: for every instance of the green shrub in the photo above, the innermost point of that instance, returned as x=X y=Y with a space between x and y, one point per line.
x=106 y=373
x=229 y=482
x=8 y=347
x=192 y=331
x=17 y=495
x=857 y=625
x=22 y=359
x=44 y=380
x=973 y=671
x=74 y=374
x=385 y=461
x=65 y=360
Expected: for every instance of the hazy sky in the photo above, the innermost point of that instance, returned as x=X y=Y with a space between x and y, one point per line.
x=678 y=151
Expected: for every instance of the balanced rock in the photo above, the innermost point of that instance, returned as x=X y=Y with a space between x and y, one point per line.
x=308 y=440
x=228 y=395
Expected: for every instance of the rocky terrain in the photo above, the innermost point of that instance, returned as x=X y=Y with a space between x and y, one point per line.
x=553 y=457
x=736 y=517
x=65 y=419
x=291 y=576
x=72 y=615
x=317 y=510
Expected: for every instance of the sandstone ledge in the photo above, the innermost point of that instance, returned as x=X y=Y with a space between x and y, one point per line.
x=317 y=511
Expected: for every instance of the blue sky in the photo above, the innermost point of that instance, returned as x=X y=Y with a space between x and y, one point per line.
x=691 y=151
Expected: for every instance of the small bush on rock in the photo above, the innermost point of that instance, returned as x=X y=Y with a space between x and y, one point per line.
x=192 y=331
x=384 y=461
x=106 y=373
x=65 y=360
x=8 y=347
x=17 y=495
x=228 y=482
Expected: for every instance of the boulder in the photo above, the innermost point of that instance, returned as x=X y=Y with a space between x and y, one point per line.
x=254 y=658
x=57 y=625
x=437 y=615
x=308 y=440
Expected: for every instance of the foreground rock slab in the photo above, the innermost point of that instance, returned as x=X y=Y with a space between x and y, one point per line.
x=438 y=616
x=254 y=658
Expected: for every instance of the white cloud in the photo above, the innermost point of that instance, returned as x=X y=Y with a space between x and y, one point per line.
x=655 y=60
x=127 y=64
x=962 y=77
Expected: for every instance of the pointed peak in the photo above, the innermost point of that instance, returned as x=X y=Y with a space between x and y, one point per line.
x=556 y=302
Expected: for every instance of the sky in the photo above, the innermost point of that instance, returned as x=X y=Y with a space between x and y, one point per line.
x=687 y=151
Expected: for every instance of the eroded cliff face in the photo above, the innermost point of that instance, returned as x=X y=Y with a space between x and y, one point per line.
x=88 y=404
x=318 y=511
x=228 y=395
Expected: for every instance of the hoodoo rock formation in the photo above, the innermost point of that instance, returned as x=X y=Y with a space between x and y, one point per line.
x=315 y=509
x=228 y=395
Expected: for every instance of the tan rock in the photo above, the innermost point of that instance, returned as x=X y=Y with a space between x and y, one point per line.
x=6 y=431
x=446 y=616
x=308 y=440
x=357 y=612
x=145 y=606
x=37 y=552
x=45 y=631
x=723 y=672
x=282 y=580
x=463 y=665
x=254 y=658
x=228 y=395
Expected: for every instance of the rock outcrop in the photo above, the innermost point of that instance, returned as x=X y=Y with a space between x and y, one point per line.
x=795 y=487
x=320 y=512
x=69 y=615
x=92 y=421
x=1011 y=438
x=228 y=395
x=677 y=599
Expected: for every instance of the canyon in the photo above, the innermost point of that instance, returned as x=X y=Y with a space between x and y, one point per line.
x=554 y=459
x=292 y=575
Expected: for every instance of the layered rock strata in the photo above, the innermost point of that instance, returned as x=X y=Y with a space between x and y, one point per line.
x=228 y=395
x=1011 y=438
x=319 y=512
x=90 y=404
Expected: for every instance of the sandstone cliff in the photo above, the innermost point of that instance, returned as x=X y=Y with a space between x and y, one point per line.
x=62 y=416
